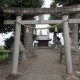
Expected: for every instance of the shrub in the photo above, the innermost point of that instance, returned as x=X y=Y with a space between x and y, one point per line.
x=2 y=52
x=4 y=55
x=8 y=42
x=1 y=47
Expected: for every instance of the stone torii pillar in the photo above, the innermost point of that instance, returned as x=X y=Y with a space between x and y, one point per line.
x=16 y=46
x=14 y=74
x=69 y=70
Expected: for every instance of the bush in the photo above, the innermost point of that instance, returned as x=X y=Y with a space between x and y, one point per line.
x=8 y=42
x=1 y=47
x=2 y=52
x=4 y=55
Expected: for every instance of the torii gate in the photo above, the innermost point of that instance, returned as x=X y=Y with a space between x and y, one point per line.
x=27 y=11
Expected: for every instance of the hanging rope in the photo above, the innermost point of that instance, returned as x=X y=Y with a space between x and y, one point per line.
x=27 y=30
x=24 y=25
x=42 y=28
x=34 y=32
x=56 y=29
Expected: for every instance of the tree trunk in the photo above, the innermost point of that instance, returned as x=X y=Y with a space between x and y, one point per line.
x=28 y=41
x=31 y=41
x=26 y=36
x=74 y=34
x=74 y=41
x=55 y=38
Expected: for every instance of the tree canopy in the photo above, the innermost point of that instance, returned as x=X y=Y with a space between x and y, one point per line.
x=16 y=3
x=58 y=16
x=21 y=3
x=55 y=17
x=67 y=2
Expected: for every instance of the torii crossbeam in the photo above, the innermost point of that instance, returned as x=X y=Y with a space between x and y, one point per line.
x=41 y=22
x=33 y=11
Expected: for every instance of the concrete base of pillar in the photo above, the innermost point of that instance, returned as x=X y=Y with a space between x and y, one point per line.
x=13 y=76
x=70 y=77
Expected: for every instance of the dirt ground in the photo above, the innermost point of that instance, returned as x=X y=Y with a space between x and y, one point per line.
x=44 y=65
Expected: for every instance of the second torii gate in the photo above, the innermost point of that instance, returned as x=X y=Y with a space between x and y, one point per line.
x=19 y=21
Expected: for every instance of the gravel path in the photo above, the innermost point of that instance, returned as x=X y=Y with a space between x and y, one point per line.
x=44 y=66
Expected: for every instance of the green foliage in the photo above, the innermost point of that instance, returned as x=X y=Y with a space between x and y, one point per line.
x=34 y=37
x=67 y=2
x=53 y=4
x=1 y=47
x=22 y=3
x=4 y=55
x=7 y=28
x=58 y=38
x=15 y=3
x=58 y=42
x=55 y=17
x=8 y=42
x=51 y=29
x=59 y=27
x=2 y=52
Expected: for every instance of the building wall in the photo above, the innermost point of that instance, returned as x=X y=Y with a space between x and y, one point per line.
x=43 y=37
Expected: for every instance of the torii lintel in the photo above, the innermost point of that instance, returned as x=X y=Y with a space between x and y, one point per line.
x=33 y=11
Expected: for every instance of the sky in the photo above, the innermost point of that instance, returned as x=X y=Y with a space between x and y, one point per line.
x=47 y=5
x=3 y=37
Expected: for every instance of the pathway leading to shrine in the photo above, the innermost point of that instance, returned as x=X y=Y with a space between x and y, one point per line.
x=45 y=67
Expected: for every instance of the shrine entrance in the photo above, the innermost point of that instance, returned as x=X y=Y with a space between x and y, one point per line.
x=63 y=10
